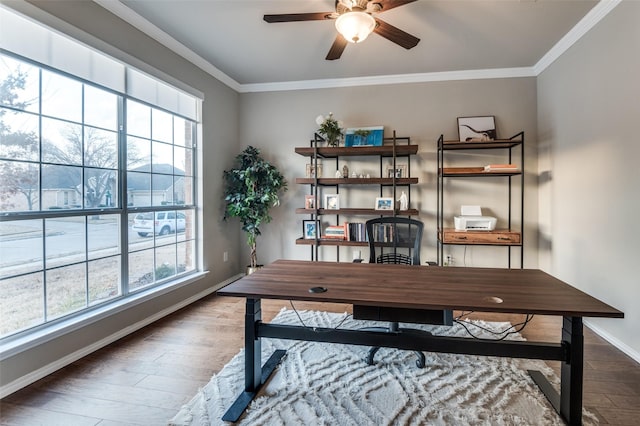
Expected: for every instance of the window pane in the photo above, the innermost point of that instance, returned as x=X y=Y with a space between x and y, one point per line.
x=183 y=190
x=19 y=190
x=64 y=241
x=186 y=256
x=162 y=157
x=104 y=279
x=100 y=187
x=20 y=84
x=20 y=247
x=101 y=148
x=100 y=108
x=138 y=152
x=165 y=262
x=61 y=97
x=138 y=119
x=138 y=189
x=22 y=303
x=60 y=187
x=183 y=160
x=61 y=142
x=103 y=235
x=162 y=126
x=186 y=231
x=19 y=135
x=183 y=132
x=66 y=290
x=140 y=269
x=162 y=190
x=141 y=231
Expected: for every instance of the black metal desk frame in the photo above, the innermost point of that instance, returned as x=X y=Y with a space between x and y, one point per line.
x=568 y=403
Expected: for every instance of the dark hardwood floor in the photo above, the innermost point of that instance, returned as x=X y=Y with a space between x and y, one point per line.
x=144 y=378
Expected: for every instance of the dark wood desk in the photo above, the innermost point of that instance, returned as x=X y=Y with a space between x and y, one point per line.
x=523 y=291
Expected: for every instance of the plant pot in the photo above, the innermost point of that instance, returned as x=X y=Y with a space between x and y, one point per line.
x=251 y=270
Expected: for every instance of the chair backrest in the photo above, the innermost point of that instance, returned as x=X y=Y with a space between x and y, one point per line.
x=394 y=240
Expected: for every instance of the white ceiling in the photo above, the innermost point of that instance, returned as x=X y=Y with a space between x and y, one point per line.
x=232 y=39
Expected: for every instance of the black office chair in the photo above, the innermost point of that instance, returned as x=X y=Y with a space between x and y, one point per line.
x=397 y=240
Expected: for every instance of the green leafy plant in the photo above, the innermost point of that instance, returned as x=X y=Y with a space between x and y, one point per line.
x=251 y=189
x=330 y=128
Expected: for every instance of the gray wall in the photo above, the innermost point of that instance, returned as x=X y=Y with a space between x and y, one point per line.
x=588 y=110
x=277 y=122
x=220 y=126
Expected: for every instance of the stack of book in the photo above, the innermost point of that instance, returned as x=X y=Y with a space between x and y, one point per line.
x=349 y=231
x=334 y=232
x=500 y=168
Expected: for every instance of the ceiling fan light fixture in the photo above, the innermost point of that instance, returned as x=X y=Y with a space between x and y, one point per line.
x=355 y=27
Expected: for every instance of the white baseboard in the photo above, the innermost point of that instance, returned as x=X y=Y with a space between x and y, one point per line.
x=615 y=342
x=38 y=374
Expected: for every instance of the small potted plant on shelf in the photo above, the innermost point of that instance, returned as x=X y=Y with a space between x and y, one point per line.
x=330 y=129
x=251 y=189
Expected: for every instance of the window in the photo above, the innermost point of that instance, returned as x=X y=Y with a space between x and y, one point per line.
x=97 y=191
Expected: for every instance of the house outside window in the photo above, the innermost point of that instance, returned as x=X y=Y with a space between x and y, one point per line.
x=81 y=166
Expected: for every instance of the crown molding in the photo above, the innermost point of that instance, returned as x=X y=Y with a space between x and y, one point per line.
x=594 y=16
x=389 y=79
x=599 y=11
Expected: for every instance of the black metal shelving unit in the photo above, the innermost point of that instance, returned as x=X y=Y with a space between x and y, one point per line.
x=394 y=147
x=486 y=238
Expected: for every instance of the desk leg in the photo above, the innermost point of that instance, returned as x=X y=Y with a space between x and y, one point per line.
x=571 y=374
x=569 y=402
x=254 y=375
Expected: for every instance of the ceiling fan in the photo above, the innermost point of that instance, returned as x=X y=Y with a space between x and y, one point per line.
x=354 y=22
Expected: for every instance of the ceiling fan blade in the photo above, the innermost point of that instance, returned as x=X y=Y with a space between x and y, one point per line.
x=390 y=4
x=395 y=35
x=337 y=48
x=296 y=17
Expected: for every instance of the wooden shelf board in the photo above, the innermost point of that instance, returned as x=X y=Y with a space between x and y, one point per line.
x=359 y=211
x=341 y=151
x=498 y=143
x=330 y=242
x=475 y=172
x=356 y=181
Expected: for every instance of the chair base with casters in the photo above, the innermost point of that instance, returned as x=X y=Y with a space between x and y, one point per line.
x=394 y=316
x=394 y=328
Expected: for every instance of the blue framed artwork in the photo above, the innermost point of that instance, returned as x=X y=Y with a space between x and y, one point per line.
x=364 y=136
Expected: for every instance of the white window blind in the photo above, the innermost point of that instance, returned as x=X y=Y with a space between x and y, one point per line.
x=32 y=40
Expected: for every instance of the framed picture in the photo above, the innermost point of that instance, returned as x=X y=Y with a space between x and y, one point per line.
x=384 y=203
x=477 y=129
x=331 y=201
x=310 y=202
x=364 y=136
x=310 y=172
x=309 y=229
x=399 y=172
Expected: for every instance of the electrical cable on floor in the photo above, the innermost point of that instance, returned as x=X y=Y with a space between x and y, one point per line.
x=315 y=329
x=515 y=328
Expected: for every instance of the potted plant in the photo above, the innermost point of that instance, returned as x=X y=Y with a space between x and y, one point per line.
x=330 y=128
x=250 y=189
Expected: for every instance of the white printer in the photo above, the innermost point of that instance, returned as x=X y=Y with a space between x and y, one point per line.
x=471 y=219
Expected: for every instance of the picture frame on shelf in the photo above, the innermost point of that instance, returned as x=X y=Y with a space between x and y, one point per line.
x=477 y=129
x=331 y=202
x=384 y=203
x=399 y=172
x=364 y=136
x=310 y=171
x=309 y=229
x=310 y=202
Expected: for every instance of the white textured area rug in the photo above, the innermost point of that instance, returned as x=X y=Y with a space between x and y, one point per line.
x=330 y=384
